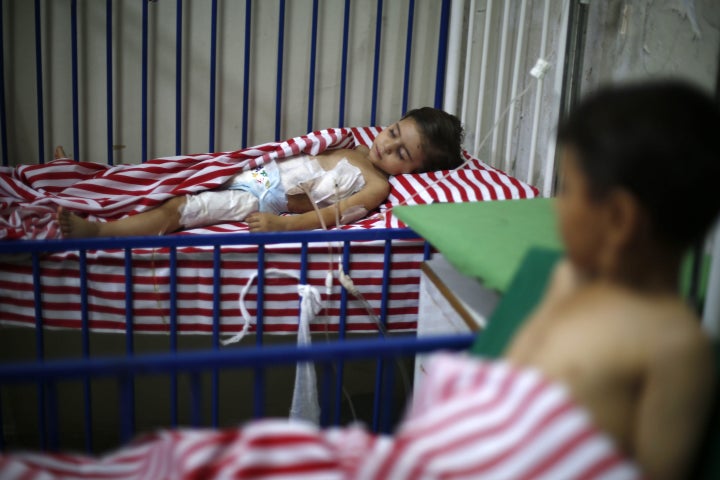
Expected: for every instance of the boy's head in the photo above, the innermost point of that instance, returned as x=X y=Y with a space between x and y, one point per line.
x=657 y=145
x=442 y=138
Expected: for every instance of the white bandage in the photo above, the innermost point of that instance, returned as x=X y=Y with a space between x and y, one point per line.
x=217 y=206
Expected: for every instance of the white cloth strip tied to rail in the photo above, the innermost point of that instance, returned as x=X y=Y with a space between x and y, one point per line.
x=470 y=419
x=305 y=405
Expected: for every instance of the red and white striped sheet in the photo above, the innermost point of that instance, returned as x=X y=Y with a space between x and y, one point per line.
x=471 y=419
x=30 y=194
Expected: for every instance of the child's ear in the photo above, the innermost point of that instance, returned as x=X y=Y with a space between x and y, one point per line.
x=625 y=219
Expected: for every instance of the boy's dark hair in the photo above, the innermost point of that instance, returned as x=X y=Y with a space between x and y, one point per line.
x=443 y=136
x=661 y=142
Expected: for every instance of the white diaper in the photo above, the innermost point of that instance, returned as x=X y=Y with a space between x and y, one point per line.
x=217 y=206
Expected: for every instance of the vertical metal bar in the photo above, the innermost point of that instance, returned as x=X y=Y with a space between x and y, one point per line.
x=39 y=347
x=75 y=96
x=246 y=73
x=442 y=54
x=313 y=61
x=380 y=367
x=388 y=392
x=129 y=320
x=213 y=74
x=325 y=393
x=195 y=399
x=303 y=262
x=453 y=49
x=39 y=84
x=52 y=413
x=711 y=312
x=573 y=44
x=126 y=394
x=538 y=96
x=217 y=295
x=109 y=79
x=343 y=72
x=408 y=56
x=2 y=422
x=178 y=75
x=278 y=85
x=519 y=48
x=500 y=85
x=342 y=332
x=342 y=327
x=483 y=76
x=386 y=283
x=468 y=63
x=259 y=393
x=376 y=62
x=128 y=403
x=144 y=88
x=173 y=335
x=3 y=117
x=85 y=334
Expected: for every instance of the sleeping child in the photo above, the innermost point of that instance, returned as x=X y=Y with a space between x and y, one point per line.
x=611 y=377
x=336 y=186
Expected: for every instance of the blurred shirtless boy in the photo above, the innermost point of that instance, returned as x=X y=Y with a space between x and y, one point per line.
x=640 y=172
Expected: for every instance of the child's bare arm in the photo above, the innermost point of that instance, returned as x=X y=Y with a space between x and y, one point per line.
x=677 y=389
x=369 y=198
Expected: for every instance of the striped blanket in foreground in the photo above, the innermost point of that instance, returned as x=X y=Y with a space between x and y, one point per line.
x=470 y=419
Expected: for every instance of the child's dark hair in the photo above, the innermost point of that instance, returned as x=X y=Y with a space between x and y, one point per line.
x=661 y=142
x=443 y=136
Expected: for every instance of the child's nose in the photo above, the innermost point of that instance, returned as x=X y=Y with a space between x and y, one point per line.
x=391 y=145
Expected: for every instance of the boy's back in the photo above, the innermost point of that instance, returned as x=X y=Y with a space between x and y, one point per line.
x=637 y=190
x=637 y=361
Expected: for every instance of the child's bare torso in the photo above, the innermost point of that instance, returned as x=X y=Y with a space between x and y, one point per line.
x=605 y=343
x=328 y=160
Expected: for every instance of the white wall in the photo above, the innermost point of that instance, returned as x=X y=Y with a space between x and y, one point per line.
x=640 y=39
x=21 y=89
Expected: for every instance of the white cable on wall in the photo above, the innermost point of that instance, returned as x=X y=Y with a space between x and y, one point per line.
x=453 y=56
x=468 y=60
x=711 y=312
x=538 y=96
x=483 y=71
x=500 y=84
x=519 y=46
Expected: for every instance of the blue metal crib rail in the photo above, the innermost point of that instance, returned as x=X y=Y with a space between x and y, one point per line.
x=125 y=367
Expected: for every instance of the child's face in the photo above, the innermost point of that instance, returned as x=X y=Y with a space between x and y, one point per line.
x=580 y=217
x=398 y=148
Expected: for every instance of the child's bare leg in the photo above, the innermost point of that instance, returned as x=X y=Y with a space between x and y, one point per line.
x=160 y=220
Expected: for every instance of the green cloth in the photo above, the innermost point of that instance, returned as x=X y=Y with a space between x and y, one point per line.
x=488 y=240
x=525 y=292
x=485 y=240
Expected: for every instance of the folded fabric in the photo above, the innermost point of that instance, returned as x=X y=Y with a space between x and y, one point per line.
x=470 y=419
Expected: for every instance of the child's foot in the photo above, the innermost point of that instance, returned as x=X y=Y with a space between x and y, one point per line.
x=73 y=226
x=60 y=152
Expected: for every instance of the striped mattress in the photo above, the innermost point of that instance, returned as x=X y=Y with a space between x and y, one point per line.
x=30 y=194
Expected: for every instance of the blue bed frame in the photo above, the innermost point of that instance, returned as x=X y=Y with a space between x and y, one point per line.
x=44 y=374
